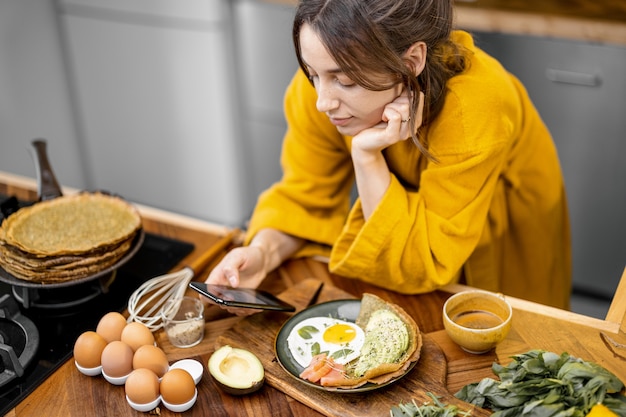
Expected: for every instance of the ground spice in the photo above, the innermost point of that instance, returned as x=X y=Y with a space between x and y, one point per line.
x=185 y=334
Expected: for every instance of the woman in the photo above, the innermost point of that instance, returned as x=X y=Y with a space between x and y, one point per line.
x=458 y=179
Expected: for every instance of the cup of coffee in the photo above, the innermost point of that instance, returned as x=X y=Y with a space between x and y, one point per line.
x=477 y=320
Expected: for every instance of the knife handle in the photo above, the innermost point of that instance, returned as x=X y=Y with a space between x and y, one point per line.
x=48 y=185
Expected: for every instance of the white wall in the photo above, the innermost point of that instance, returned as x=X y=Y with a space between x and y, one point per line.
x=34 y=95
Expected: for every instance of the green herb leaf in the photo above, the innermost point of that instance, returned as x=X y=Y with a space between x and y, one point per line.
x=306 y=332
x=429 y=409
x=315 y=349
x=341 y=353
x=544 y=384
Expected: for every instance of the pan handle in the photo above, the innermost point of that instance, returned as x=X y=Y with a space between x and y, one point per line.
x=48 y=187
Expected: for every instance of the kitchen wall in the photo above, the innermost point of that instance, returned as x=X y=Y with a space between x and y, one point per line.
x=157 y=103
x=34 y=92
x=266 y=63
x=176 y=105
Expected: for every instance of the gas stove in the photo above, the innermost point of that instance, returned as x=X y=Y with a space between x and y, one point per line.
x=59 y=320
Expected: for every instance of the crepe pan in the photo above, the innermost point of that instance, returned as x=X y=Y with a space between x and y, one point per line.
x=47 y=189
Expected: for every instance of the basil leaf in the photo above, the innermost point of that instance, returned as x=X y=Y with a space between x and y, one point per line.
x=543 y=384
x=306 y=332
x=341 y=353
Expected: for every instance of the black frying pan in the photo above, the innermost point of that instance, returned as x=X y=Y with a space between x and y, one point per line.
x=48 y=188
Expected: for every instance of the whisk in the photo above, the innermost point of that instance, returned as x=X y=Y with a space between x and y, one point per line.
x=146 y=302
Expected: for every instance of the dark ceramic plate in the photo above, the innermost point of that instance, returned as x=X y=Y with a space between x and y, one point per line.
x=340 y=309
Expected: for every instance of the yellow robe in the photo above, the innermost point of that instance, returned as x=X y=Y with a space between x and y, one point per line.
x=492 y=209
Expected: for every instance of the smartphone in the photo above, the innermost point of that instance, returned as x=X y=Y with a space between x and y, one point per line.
x=241 y=297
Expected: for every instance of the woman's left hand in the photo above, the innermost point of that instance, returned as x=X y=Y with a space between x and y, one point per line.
x=394 y=127
x=370 y=168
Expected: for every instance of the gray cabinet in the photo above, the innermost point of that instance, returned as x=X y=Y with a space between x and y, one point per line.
x=580 y=91
x=157 y=103
x=34 y=96
x=266 y=63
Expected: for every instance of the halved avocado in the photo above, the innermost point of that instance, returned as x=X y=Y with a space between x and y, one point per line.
x=236 y=371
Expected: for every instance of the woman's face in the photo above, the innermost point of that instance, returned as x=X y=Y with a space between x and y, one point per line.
x=349 y=106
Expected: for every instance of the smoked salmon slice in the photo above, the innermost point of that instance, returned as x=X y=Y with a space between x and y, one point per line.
x=325 y=370
x=334 y=377
x=320 y=365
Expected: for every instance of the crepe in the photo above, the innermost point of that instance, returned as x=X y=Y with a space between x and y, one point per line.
x=61 y=269
x=384 y=372
x=71 y=225
x=67 y=238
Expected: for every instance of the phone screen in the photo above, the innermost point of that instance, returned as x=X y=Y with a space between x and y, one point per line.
x=241 y=297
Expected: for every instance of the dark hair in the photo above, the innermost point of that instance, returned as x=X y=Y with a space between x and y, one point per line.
x=369 y=37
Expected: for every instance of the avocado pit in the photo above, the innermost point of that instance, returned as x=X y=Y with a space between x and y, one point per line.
x=236 y=371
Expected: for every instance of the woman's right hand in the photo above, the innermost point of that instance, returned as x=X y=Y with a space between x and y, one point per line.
x=243 y=266
x=247 y=266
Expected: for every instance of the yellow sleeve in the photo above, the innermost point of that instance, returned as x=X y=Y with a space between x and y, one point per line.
x=312 y=199
x=418 y=240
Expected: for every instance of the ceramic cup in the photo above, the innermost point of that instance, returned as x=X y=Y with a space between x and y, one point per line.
x=183 y=321
x=477 y=320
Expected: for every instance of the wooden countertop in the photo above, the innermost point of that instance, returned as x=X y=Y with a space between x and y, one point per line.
x=597 y=21
x=69 y=393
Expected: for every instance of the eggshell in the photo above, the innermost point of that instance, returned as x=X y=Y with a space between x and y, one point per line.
x=152 y=358
x=137 y=334
x=192 y=366
x=177 y=386
x=88 y=349
x=110 y=326
x=117 y=359
x=142 y=386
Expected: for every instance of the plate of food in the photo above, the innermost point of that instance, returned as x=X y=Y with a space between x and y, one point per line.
x=349 y=345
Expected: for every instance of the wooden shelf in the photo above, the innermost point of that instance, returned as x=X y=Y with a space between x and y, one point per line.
x=581 y=20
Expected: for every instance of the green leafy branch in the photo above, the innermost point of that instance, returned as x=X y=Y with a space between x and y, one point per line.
x=544 y=384
x=430 y=409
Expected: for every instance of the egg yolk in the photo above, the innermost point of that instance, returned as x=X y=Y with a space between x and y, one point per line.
x=339 y=333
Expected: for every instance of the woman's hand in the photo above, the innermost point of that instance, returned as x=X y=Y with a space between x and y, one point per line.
x=370 y=168
x=243 y=266
x=247 y=266
x=393 y=128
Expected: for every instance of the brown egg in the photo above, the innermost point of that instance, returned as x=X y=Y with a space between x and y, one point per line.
x=110 y=326
x=137 y=334
x=142 y=386
x=117 y=359
x=152 y=358
x=177 y=386
x=88 y=349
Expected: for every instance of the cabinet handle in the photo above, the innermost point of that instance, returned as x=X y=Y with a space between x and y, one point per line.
x=570 y=77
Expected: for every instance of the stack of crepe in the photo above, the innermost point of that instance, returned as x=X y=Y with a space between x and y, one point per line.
x=67 y=238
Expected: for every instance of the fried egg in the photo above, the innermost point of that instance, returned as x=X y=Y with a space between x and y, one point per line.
x=339 y=339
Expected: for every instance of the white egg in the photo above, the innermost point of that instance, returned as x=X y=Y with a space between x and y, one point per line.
x=339 y=339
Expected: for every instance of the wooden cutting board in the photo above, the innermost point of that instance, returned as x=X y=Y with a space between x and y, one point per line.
x=257 y=334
